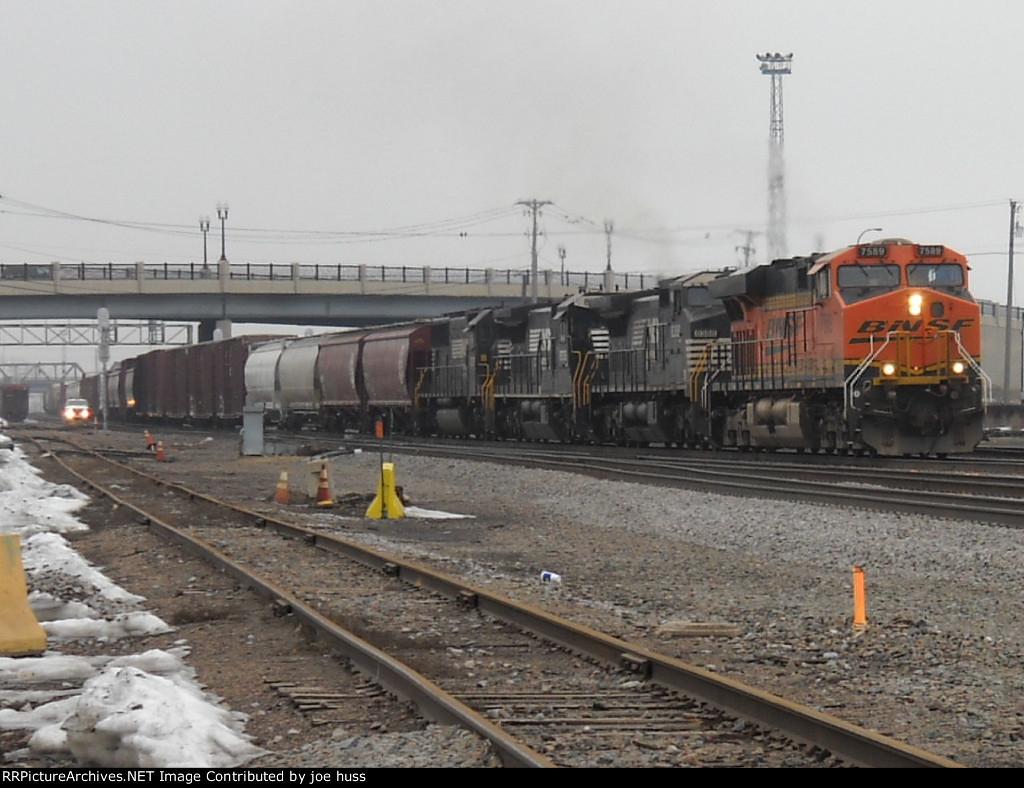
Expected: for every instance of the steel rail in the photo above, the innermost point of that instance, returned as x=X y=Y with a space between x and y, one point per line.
x=432 y=701
x=844 y=740
x=697 y=475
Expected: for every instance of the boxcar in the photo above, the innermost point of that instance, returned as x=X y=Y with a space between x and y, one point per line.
x=14 y=401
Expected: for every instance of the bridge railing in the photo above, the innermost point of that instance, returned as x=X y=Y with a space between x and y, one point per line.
x=111 y=271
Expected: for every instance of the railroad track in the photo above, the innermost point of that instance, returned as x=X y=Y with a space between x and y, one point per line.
x=967 y=494
x=544 y=691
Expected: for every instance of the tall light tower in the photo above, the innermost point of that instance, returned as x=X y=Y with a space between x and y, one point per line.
x=776 y=66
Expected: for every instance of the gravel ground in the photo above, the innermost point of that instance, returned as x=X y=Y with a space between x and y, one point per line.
x=938 y=664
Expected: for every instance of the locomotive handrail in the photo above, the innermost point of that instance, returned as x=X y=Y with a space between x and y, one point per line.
x=487 y=389
x=577 y=375
x=986 y=381
x=699 y=366
x=856 y=375
x=850 y=382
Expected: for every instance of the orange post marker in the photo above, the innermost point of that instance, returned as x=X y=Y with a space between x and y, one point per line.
x=860 y=618
x=160 y=456
x=379 y=429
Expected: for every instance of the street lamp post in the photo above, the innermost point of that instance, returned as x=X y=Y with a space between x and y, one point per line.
x=103 y=322
x=204 y=227
x=222 y=214
x=869 y=230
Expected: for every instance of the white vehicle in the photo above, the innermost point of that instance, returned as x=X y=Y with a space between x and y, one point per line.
x=77 y=411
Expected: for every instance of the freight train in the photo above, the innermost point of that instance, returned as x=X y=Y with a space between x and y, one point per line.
x=868 y=349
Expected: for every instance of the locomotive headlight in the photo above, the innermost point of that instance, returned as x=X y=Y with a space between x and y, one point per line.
x=888 y=369
x=958 y=367
x=914 y=303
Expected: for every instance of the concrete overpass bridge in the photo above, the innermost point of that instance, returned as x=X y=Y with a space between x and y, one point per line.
x=218 y=294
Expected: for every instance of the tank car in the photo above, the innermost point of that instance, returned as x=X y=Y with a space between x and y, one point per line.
x=872 y=348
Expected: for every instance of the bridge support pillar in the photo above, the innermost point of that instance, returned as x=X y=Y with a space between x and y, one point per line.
x=208 y=327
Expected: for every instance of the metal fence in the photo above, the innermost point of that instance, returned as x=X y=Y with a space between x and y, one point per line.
x=586 y=280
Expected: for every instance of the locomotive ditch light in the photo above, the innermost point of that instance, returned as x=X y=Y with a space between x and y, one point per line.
x=959 y=367
x=914 y=303
x=888 y=369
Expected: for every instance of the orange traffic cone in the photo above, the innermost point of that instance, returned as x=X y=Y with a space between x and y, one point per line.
x=281 y=494
x=150 y=443
x=323 y=491
x=160 y=451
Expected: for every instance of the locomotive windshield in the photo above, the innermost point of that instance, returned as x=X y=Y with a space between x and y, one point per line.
x=698 y=296
x=859 y=281
x=935 y=275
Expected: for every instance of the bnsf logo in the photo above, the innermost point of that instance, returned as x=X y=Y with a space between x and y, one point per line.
x=938 y=324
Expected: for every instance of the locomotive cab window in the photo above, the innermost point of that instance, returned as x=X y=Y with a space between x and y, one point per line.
x=822 y=284
x=935 y=275
x=857 y=282
x=698 y=296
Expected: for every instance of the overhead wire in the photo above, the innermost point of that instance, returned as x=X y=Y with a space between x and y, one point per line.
x=454 y=227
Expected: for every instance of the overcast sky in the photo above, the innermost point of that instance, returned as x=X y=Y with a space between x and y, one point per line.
x=398 y=132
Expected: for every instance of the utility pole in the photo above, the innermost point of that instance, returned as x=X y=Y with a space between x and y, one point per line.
x=1009 y=301
x=608 y=227
x=534 y=206
x=747 y=248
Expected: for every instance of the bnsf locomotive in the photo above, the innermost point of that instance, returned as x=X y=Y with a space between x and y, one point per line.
x=870 y=349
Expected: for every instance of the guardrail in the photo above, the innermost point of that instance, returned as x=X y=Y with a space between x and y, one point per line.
x=55 y=272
